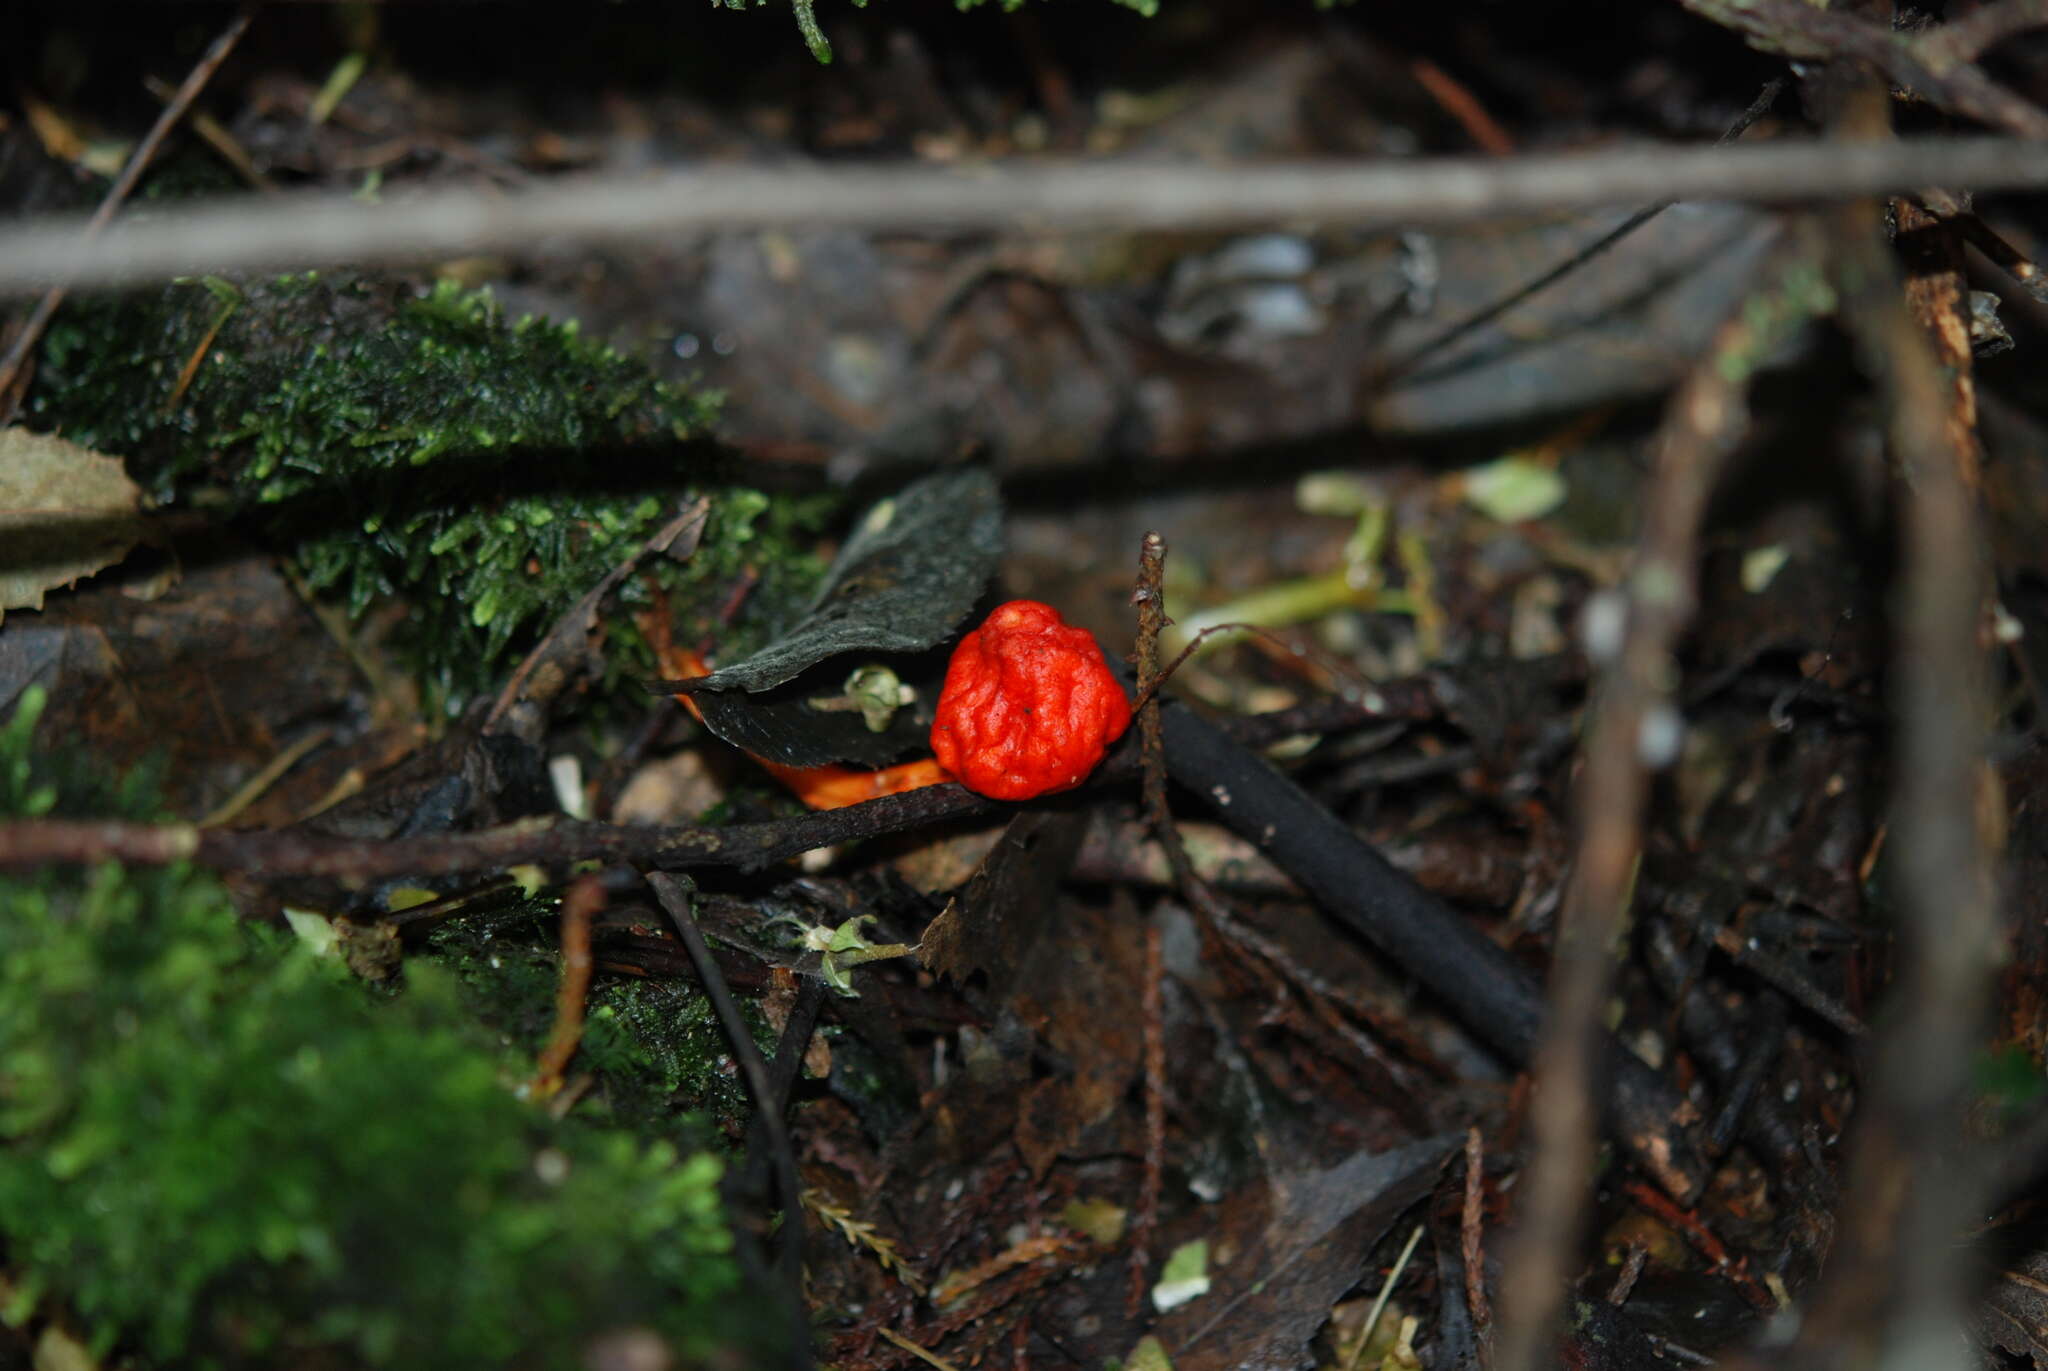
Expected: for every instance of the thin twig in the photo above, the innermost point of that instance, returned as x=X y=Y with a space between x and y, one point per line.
x=1631 y=1270
x=252 y=789
x=1687 y=1225
x=783 y=1073
x=2002 y=254
x=1466 y=327
x=1708 y=1029
x=217 y=137
x=1796 y=29
x=1764 y=1021
x=1471 y=1248
x=1458 y=102
x=553 y=843
x=1950 y=45
x=580 y=904
x=124 y=184
x=674 y=893
x=1379 y=1306
x=1635 y=728
x=283 y=232
x=1788 y=977
x=1150 y=598
x=1146 y=1221
x=559 y=843
x=1898 y=1284
x=922 y=1353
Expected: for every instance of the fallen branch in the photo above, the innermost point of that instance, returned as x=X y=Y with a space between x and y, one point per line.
x=554 y=844
x=558 y=842
x=279 y=232
x=1635 y=728
x=1966 y=39
x=1474 y=977
x=1936 y=72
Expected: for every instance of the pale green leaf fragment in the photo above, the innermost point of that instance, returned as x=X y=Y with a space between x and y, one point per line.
x=1761 y=565
x=59 y=1350
x=316 y=931
x=1514 y=489
x=1184 y=1277
x=838 y=978
x=19 y=1297
x=848 y=938
x=1148 y=1355
x=1100 y=1221
x=1340 y=493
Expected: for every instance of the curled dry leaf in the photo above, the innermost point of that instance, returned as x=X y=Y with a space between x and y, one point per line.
x=65 y=513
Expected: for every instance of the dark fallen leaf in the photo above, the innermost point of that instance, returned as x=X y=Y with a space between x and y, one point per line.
x=1599 y=1337
x=467 y=780
x=997 y=920
x=211 y=680
x=1084 y=993
x=1067 y=978
x=783 y=725
x=1299 y=1245
x=1699 y=1309
x=905 y=579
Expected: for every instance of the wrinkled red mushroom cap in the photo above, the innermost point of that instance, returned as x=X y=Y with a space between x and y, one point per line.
x=1029 y=705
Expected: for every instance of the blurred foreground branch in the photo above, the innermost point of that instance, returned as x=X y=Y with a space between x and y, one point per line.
x=290 y=232
x=1636 y=729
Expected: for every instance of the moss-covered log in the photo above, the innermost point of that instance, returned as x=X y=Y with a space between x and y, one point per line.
x=420 y=446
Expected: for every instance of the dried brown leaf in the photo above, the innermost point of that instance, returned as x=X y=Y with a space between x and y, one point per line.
x=2014 y=1315
x=65 y=513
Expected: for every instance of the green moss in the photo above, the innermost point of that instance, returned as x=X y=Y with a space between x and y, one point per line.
x=655 y=1048
x=2008 y=1084
x=821 y=48
x=216 y=1148
x=1148 y=8
x=657 y=1041
x=488 y=472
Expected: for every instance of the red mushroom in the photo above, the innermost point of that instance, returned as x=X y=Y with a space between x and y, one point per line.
x=1029 y=705
x=1028 y=708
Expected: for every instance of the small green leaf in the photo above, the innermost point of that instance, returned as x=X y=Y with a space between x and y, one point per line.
x=1184 y=1277
x=1761 y=565
x=1514 y=489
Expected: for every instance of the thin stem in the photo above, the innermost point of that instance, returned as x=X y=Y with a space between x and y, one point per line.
x=124 y=184
x=674 y=893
